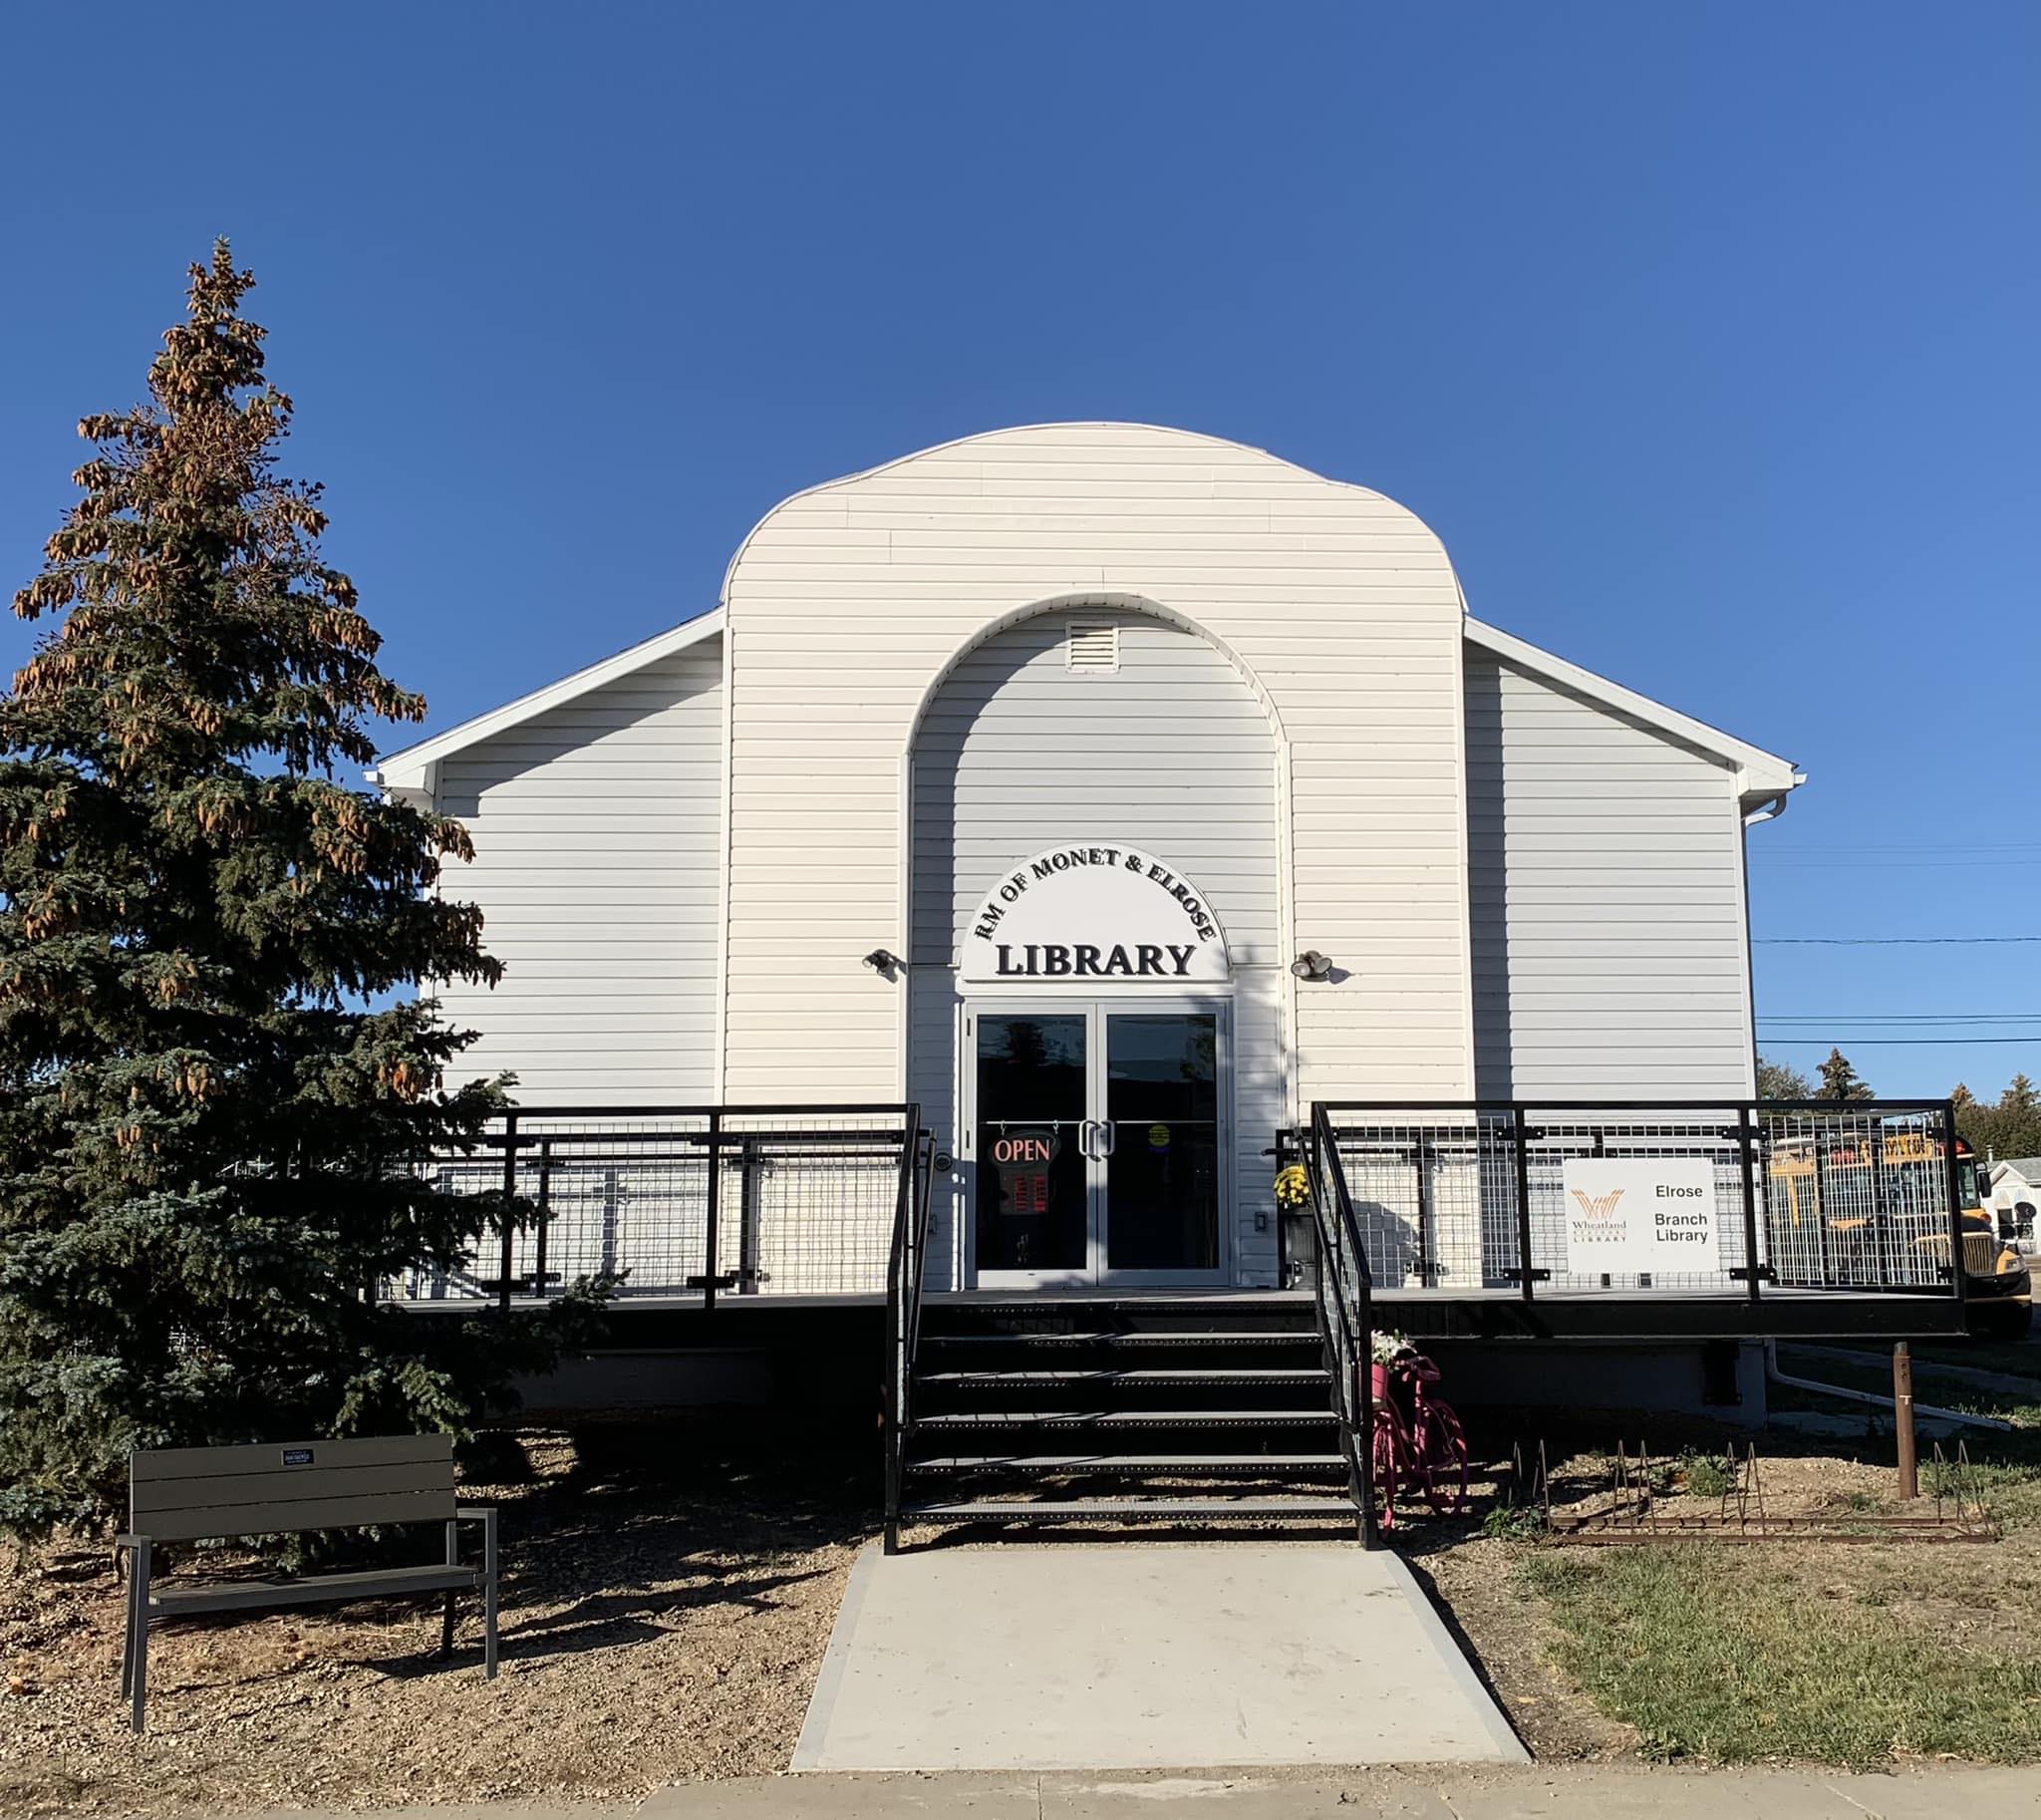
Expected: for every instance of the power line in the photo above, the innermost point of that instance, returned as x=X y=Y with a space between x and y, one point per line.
x=1899 y=847
x=1955 y=1016
x=1896 y=1041
x=1887 y=941
x=1776 y=850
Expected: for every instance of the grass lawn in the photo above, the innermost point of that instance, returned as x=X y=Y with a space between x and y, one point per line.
x=1832 y=1653
x=1735 y=1653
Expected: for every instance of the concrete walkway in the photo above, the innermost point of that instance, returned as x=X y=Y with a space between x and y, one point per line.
x=1067 y=1656
x=1516 y=1792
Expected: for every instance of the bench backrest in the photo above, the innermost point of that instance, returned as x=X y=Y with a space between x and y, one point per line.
x=177 y=1494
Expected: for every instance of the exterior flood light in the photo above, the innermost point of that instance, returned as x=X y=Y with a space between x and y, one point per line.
x=884 y=962
x=1311 y=964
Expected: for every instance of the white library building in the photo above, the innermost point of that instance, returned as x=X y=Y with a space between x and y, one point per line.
x=1114 y=794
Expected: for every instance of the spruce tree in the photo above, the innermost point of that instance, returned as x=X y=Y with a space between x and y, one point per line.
x=1841 y=1081
x=208 y=1124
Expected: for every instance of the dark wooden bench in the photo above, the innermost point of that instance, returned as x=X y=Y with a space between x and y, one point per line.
x=184 y=1494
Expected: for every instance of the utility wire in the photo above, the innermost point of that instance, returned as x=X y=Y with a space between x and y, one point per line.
x=1896 y=1042
x=1887 y=941
x=1904 y=846
x=1955 y=1016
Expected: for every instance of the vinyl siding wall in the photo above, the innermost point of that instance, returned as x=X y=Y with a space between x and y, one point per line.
x=846 y=603
x=1171 y=752
x=596 y=833
x=1605 y=901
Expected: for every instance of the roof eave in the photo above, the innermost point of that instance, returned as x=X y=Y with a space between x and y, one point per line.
x=1760 y=775
x=413 y=773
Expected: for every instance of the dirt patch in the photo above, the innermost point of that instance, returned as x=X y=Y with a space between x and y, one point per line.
x=669 y=1589
x=1515 y=1643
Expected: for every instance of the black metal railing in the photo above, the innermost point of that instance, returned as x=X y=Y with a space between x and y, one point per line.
x=1342 y=1293
x=1793 y=1194
x=906 y=1266
x=680 y=1201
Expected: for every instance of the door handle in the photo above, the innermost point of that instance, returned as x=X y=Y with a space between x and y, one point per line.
x=1086 y=1144
x=1105 y=1137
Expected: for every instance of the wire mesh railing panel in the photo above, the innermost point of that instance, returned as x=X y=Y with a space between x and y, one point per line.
x=1434 y=1197
x=822 y=1219
x=676 y=1202
x=1687 y=1197
x=1857 y=1198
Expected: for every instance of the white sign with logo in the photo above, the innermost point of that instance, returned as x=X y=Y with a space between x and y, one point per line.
x=1630 y=1216
x=1094 y=912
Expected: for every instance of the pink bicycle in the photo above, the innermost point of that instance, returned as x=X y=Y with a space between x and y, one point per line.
x=1418 y=1441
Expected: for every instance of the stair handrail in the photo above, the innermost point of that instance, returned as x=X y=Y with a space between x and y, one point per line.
x=906 y=1265
x=1344 y=1297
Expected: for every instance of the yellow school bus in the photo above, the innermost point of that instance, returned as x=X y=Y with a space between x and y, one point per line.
x=1869 y=1209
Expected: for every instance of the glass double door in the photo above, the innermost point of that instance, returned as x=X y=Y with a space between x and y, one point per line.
x=1098 y=1142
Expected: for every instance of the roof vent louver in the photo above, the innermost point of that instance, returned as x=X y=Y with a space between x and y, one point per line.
x=1092 y=648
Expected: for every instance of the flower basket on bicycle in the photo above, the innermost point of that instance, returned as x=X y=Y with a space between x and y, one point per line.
x=1418 y=1441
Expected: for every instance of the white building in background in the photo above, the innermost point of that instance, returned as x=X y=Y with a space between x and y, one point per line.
x=2016 y=1185
x=1115 y=793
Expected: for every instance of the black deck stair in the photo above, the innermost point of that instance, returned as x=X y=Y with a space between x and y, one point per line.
x=1119 y=1410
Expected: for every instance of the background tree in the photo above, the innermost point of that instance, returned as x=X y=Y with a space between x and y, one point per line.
x=1779 y=1080
x=2008 y=1127
x=204 y=1137
x=1840 y=1081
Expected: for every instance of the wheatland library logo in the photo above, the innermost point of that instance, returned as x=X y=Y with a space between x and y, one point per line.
x=1094 y=912
x=1599 y=1206
x=1641 y=1215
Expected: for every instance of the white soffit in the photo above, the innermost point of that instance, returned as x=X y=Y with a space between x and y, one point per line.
x=411 y=770
x=1758 y=772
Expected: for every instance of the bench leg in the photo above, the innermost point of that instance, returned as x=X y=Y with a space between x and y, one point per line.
x=447 y=1627
x=128 y=1641
x=490 y=1595
x=137 y=1637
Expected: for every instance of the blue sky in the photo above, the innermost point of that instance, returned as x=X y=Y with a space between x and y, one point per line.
x=1704 y=336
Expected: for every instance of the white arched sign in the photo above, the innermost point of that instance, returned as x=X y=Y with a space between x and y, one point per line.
x=1094 y=912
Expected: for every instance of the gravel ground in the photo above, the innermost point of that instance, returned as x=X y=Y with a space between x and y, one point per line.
x=670 y=1586
x=669 y=1590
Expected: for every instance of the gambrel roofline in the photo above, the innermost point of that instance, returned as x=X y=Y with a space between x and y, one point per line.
x=1758 y=772
x=411 y=770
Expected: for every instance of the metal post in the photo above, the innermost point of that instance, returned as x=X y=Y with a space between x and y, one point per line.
x=1885 y=1247
x=893 y=1380
x=748 y=1220
x=612 y=1194
x=708 y=1222
x=453 y=1560
x=490 y=1593
x=1608 y=1277
x=1960 y=1271
x=139 y=1569
x=1424 y=1211
x=1521 y=1136
x=1364 y=1427
x=545 y=1214
x=509 y=1195
x=1903 y=1420
x=1746 y=1139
